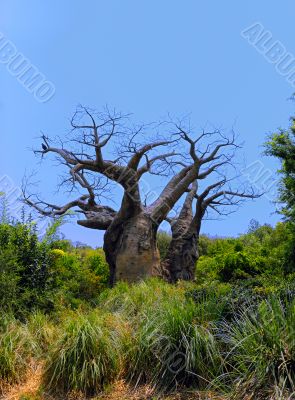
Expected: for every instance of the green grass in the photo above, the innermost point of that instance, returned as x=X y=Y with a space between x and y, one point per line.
x=16 y=349
x=261 y=349
x=43 y=332
x=164 y=328
x=224 y=338
x=83 y=358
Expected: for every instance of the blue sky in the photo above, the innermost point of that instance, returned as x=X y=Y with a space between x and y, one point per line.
x=148 y=58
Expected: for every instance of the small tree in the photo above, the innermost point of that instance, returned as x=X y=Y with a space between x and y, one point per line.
x=282 y=146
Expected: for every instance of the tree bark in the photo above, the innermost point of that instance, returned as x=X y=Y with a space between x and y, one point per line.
x=182 y=255
x=131 y=248
x=181 y=259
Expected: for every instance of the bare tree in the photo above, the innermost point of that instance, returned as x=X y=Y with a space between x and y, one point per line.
x=183 y=254
x=130 y=231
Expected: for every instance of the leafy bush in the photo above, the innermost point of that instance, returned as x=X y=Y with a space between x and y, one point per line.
x=79 y=279
x=262 y=251
x=24 y=269
x=239 y=265
x=39 y=275
x=9 y=280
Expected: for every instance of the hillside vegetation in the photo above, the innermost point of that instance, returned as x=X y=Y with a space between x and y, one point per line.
x=231 y=332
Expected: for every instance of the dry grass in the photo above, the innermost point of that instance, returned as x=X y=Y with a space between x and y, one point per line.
x=29 y=387
x=30 y=390
x=123 y=391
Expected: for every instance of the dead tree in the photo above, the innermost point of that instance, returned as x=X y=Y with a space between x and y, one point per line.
x=183 y=254
x=130 y=230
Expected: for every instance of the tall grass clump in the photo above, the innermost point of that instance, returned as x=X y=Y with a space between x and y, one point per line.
x=187 y=347
x=43 y=332
x=16 y=349
x=83 y=358
x=136 y=299
x=262 y=350
x=170 y=345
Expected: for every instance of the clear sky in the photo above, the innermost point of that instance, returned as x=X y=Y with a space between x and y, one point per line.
x=149 y=58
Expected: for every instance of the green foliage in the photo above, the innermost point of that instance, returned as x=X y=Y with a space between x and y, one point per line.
x=24 y=268
x=204 y=245
x=235 y=338
x=178 y=348
x=282 y=146
x=10 y=273
x=79 y=276
x=37 y=274
x=232 y=330
x=163 y=242
x=262 y=251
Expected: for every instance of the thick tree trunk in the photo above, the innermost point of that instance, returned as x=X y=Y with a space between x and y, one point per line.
x=131 y=248
x=181 y=258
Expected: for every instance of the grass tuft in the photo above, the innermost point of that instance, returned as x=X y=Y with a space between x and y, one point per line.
x=262 y=349
x=83 y=358
x=16 y=349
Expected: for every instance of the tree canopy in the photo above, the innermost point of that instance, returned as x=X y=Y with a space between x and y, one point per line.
x=281 y=145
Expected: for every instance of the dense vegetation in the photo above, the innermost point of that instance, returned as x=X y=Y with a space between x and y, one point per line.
x=232 y=331
x=47 y=275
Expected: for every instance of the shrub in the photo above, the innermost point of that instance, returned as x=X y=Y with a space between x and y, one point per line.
x=79 y=278
x=9 y=281
x=24 y=269
x=96 y=262
x=239 y=265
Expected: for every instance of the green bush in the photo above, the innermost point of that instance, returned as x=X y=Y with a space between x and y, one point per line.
x=78 y=279
x=262 y=251
x=24 y=269
x=238 y=265
x=9 y=281
x=96 y=262
x=40 y=275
